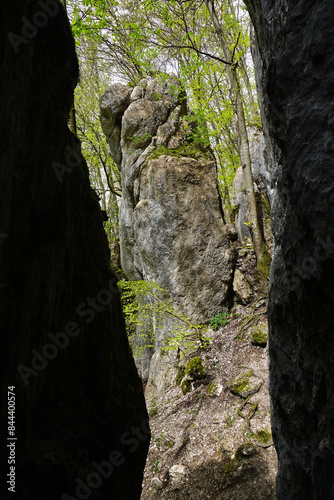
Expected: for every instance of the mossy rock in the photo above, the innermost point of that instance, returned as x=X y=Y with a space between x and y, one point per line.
x=260 y=335
x=246 y=450
x=195 y=369
x=263 y=438
x=180 y=375
x=186 y=384
x=245 y=384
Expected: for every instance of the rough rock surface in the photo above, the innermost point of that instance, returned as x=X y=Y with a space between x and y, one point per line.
x=242 y=288
x=81 y=393
x=295 y=71
x=171 y=223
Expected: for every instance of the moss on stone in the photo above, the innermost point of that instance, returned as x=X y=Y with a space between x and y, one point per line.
x=186 y=385
x=213 y=388
x=266 y=204
x=246 y=450
x=263 y=270
x=186 y=150
x=260 y=336
x=195 y=369
x=179 y=376
x=263 y=438
x=245 y=384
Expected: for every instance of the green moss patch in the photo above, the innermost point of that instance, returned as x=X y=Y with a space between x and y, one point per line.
x=260 y=335
x=245 y=384
x=186 y=150
x=186 y=384
x=195 y=369
x=263 y=270
x=263 y=438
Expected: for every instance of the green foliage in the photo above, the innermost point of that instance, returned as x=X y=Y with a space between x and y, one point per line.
x=220 y=320
x=183 y=151
x=136 y=39
x=146 y=306
x=230 y=421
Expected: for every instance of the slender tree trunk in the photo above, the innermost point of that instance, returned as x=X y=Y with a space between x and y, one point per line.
x=258 y=243
x=254 y=113
x=72 y=121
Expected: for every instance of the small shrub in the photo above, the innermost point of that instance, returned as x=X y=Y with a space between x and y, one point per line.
x=220 y=320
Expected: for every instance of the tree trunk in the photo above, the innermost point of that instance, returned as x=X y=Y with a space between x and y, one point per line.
x=258 y=243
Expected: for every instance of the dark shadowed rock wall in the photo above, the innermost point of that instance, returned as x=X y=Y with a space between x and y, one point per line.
x=63 y=346
x=295 y=62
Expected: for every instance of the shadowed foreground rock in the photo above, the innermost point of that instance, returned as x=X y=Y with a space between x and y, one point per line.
x=295 y=71
x=79 y=400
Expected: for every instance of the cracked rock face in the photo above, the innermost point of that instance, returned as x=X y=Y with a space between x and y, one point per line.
x=295 y=72
x=76 y=386
x=171 y=224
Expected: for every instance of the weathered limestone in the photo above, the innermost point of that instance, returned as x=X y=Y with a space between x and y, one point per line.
x=171 y=223
x=295 y=72
x=62 y=339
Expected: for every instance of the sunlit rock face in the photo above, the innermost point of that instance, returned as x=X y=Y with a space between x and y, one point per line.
x=172 y=230
x=79 y=400
x=295 y=72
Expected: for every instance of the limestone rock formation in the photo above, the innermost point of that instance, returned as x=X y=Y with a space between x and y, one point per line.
x=63 y=345
x=295 y=71
x=171 y=222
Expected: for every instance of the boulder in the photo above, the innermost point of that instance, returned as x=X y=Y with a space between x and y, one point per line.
x=245 y=384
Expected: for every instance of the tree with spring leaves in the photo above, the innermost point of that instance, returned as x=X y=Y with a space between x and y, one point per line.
x=149 y=37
